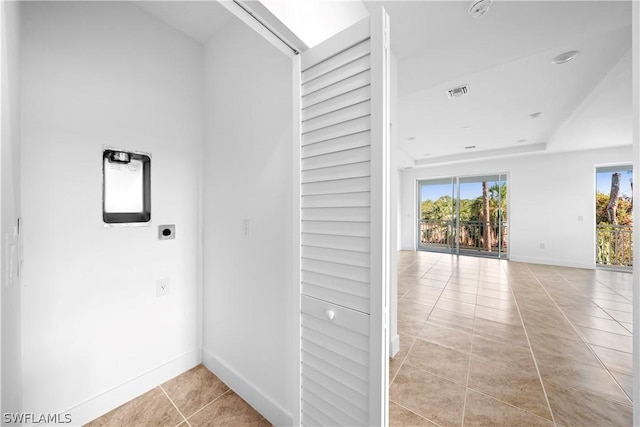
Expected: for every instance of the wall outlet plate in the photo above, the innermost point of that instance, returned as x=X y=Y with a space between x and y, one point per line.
x=162 y=287
x=167 y=232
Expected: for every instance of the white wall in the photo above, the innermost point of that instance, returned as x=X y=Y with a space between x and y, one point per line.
x=547 y=194
x=94 y=74
x=249 y=324
x=11 y=208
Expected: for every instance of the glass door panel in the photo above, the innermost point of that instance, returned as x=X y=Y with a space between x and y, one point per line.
x=436 y=215
x=482 y=207
x=466 y=215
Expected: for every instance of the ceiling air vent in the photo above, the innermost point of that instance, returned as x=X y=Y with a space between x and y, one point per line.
x=457 y=92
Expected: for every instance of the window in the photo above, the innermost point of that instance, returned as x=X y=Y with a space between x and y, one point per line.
x=126 y=187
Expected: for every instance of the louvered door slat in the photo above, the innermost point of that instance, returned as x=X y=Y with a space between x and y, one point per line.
x=336 y=214
x=322 y=292
x=345 y=100
x=354 y=82
x=351 y=112
x=338 y=412
x=336 y=145
x=359 y=50
x=358 y=259
x=351 y=366
x=339 y=130
x=329 y=402
x=334 y=76
x=325 y=281
x=349 y=200
x=354 y=155
x=352 y=185
x=340 y=194
x=337 y=228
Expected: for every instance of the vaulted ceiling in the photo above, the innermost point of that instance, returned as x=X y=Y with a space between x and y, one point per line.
x=505 y=59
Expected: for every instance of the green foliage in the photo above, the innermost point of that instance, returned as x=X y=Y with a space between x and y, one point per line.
x=624 y=212
x=443 y=208
x=438 y=210
x=614 y=245
x=437 y=216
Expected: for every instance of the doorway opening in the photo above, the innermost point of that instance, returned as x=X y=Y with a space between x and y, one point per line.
x=614 y=217
x=464 y=215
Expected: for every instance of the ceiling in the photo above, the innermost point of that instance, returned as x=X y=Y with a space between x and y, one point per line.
x=505 y=58
x=199 y=19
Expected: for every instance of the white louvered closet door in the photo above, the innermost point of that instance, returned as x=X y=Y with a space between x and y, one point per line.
x=344 y=227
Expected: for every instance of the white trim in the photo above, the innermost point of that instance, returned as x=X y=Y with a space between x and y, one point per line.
x=252 y=394
x=242 y=15
x=394 y=346
x=635 y=12
x=552 y=261
x=296 y=241
x=380 y=220
x=111 y=399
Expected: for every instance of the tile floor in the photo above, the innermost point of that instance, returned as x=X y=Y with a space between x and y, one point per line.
x=485 y=342
x=195 y=398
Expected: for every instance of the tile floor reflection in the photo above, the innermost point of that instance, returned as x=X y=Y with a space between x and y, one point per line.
x=485 y=342
x=195 y=398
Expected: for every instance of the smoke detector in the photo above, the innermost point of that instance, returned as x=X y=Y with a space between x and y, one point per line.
x=479 y=8
x=457 y=92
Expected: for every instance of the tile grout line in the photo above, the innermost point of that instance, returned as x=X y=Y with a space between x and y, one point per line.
x=508 y=404
x=184 y=419
x=580 y=336
x=208 y=404
x=526 y=334
x=473 y=329
x=592 y=300
x=416 y=336
x=415 y=413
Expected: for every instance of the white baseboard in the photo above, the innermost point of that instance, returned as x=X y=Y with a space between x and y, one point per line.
x=551 y=261
x=255 y=397
x=394 y=346
x=109 y=400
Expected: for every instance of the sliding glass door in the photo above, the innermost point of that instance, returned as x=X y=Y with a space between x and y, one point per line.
x=464 y=215
x=437 y=219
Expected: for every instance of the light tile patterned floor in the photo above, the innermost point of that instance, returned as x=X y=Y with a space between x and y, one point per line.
x=482 y=341
x=485 y=342
x=195 y=398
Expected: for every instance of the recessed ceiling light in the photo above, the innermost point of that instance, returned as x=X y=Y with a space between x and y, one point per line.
x=426 y=154
x=469 y=147
x=466 y=127
x=411 y=138
x=563 y=58
x=479 y=8
x=536 y=115
x=522 y=140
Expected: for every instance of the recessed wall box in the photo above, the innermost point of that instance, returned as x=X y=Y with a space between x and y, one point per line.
x=166 y=232
x=126 y=187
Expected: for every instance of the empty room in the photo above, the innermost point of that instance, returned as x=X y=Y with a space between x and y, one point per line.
x=405 y=213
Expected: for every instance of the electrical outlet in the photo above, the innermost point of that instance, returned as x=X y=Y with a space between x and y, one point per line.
x=246 y=227
x=541 y=245
x=162 y=287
